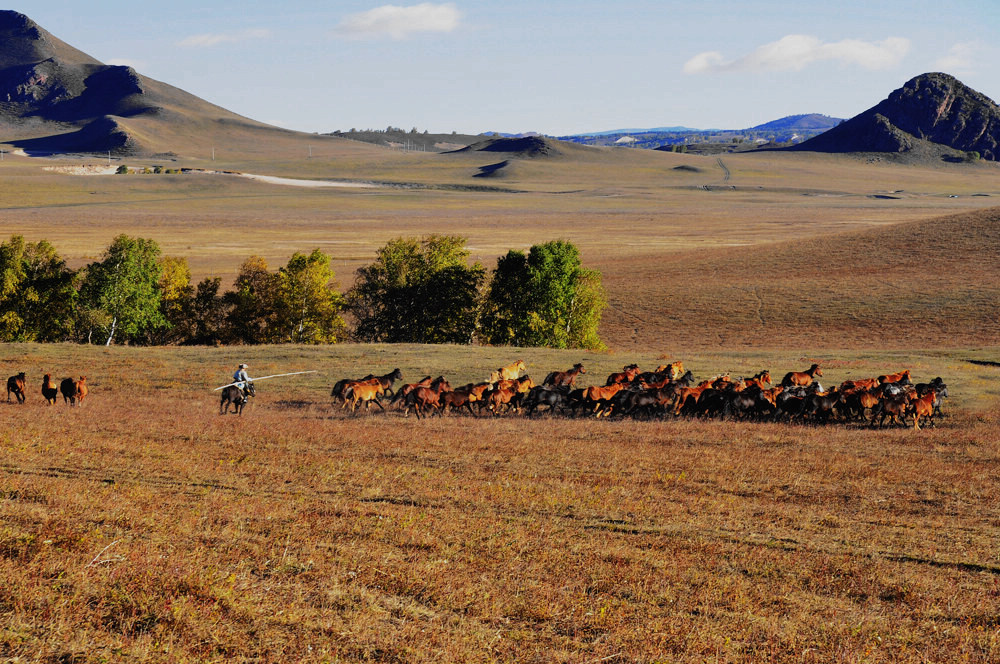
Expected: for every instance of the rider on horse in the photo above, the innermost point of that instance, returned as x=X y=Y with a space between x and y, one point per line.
x=242 y=379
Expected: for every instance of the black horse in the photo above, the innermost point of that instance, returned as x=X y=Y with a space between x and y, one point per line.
x=232 y=394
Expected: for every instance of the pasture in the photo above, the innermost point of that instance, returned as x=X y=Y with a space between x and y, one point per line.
x=143 y=526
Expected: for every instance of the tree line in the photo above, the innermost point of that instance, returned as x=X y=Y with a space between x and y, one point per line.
x=420 y=290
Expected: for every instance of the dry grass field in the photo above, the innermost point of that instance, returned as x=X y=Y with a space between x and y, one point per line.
x=752 y=249
x=143 y=526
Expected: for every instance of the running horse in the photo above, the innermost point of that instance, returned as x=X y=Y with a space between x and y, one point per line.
x=232 y=394
x=512 y=371
x=567 y=377
x=15 y=384
x=802 y=378
x=427 y=397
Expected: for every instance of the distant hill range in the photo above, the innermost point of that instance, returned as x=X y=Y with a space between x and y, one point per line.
x=931 y=114
x=55 y=98
x=783 y=131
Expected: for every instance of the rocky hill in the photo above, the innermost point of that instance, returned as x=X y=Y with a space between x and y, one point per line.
x=55 y=98
x=931 y=108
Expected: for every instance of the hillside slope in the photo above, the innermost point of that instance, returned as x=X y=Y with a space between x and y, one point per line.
x=932 y=108
x=922 y=284
x=54 y=98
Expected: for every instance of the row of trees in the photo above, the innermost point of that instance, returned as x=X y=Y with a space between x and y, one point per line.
x=417 y=290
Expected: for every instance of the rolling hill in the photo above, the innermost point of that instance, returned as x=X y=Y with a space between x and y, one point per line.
x=57 y=99
x=931 y=113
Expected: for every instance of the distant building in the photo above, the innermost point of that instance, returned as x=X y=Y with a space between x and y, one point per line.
x=626 y=140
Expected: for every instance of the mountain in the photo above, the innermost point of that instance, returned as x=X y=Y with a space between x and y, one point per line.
x=55 y=98
x=527 y=147
x=798 y=123
x=931 y=111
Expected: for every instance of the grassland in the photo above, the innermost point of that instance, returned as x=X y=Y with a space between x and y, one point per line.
x=143 y=526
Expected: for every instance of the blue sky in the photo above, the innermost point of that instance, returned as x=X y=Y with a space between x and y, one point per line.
x=553 y=67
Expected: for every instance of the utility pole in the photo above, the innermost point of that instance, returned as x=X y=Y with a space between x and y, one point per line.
x=310 y=152
x=213 y=153
x=109 y=157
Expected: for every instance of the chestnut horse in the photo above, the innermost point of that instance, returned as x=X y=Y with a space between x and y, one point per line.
x=923 y=407
x=626 y=375
x=365 y=392
x=760 y=380
x=567 y=377
x=405 y=390
x=901 y=377
x=803 y=378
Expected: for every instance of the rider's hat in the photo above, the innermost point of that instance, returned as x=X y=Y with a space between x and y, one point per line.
x=243 y=366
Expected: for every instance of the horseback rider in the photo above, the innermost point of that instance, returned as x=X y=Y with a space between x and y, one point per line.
x=242 y=379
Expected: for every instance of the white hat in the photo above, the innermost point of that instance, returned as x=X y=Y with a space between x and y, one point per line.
x=244 y=366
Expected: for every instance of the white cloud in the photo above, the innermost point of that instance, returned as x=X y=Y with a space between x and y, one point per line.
x=399 y=22
x=962 y=58
x=796 y=52
x=214 y=39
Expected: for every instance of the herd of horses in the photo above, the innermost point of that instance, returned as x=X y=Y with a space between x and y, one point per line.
x=668 y=390
x=73 y=391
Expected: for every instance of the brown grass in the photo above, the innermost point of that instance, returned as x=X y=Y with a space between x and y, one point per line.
x=143 y=526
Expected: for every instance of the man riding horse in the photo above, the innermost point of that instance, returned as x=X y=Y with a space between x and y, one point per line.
x=242 y=380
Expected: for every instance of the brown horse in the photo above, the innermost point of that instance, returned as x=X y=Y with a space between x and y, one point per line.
x=405 y=390
x=512 y=371
x=49 y=389
x=598 y=397
x=901 y=377
x=626 y=375
x=567 y=377
x=923 y=407
x=366 y=392
x=761 y=380
x=803 y=378
x=15 y=384
x=427 y=397
x=232 y=394
x=860 y=383
x=81 y=389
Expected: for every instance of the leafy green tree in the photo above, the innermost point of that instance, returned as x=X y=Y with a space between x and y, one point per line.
x=543 y=299
x=125 y=286
x=418 y=290
x=309 y=304
x=507 y=305
x=253 y=302
x=37 y=292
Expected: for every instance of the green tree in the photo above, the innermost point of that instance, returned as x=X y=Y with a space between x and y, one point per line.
x=309 y=304
x=37 y=292
x=418 y=290
x=507 y=305
x=124 y=285
x=252 y=318
x=543 y=299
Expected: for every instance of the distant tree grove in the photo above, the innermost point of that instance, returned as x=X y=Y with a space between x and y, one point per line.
x=419 y=290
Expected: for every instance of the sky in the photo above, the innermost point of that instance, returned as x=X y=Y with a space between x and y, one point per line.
x=552 y=67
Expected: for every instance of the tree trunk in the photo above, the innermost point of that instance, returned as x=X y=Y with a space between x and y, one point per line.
x=114 y=324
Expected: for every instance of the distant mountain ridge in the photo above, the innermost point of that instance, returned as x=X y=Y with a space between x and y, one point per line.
x=807 y=122
x=933 y=108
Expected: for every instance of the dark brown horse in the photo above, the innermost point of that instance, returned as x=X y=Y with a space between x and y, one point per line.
x=15 y=384
x=567 y=377
x=68 y=389
x=235 y=396
x=803 y=378
x=405 y=390
x=429 y=397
